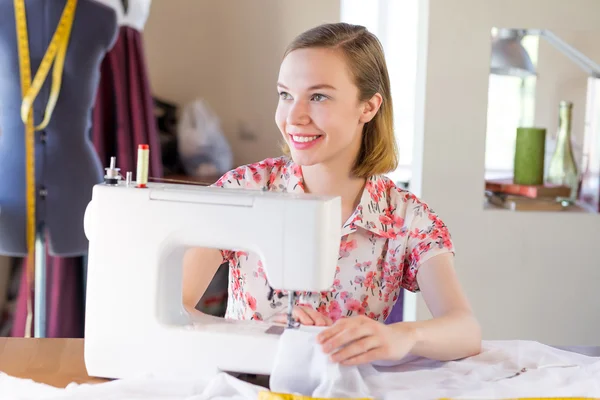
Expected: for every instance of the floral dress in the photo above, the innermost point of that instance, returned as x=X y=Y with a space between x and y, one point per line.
x=389 y=235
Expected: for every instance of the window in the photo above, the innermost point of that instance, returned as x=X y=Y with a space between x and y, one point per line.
x=511 y=100
x=511 y=103
x=395 y=24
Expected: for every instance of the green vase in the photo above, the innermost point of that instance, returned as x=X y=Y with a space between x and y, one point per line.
x=530 y=148
x=563 y=168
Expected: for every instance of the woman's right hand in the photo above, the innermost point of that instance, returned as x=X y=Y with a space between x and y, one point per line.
x=305 y=316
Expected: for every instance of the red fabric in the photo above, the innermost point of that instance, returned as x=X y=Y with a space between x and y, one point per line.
x=123 y=118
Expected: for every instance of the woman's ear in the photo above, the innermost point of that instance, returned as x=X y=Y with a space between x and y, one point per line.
x=370 y=108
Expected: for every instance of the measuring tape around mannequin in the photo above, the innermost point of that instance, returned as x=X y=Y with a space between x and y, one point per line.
x=56 y=54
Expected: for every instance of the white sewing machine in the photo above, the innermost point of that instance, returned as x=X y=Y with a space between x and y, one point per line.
x=135 y=322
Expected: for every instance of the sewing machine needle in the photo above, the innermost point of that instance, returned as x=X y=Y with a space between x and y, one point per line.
x=290 y=313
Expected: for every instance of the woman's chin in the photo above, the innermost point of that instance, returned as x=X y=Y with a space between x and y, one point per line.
x=304 y=158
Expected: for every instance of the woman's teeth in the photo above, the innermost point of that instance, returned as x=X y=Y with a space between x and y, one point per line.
x=304 y=139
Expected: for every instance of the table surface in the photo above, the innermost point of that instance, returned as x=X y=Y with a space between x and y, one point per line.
x=56 y=362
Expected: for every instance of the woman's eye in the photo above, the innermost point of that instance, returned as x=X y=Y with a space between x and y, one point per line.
x=319 y=97
x=284 y=95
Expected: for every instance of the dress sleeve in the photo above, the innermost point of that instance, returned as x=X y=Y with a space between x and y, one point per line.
x=428 y=237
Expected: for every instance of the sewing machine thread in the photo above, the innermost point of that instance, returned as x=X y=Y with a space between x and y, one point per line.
x=142 y=165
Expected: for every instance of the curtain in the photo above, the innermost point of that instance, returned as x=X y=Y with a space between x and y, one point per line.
x=122 y=117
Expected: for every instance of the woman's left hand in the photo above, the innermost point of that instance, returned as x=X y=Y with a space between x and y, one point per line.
x=360 y=340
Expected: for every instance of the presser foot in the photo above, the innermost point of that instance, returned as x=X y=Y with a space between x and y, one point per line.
x=292 y=323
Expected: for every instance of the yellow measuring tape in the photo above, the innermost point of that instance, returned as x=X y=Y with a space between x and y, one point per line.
x=56 y=54
x=267 y=395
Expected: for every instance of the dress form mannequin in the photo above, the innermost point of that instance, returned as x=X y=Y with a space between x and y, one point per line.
x=136 y=14
x=67 y=166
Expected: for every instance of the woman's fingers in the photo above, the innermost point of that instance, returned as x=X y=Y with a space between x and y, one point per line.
x=357 y=348
x=306 y=316
x=318 y=318
x=279 y=318
x=282 y=318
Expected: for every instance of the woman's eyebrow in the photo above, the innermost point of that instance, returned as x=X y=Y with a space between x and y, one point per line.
x=313 y=87
x=321 y=86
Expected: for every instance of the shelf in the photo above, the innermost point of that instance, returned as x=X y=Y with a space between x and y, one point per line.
x=577 y=208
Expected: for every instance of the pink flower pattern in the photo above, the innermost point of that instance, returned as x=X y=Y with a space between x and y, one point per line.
x=389 y=235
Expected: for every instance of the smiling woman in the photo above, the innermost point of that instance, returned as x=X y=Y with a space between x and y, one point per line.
x=336 y=101
x=322 y=118
x=335 y=117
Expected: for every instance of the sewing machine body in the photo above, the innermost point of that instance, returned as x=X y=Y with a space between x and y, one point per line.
x=135 y=321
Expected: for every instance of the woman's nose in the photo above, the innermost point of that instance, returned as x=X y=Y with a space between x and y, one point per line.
x=298 y=114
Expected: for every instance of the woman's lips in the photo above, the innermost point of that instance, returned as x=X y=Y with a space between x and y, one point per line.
x=305 y=141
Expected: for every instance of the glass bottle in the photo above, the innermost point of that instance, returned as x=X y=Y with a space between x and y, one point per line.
x=563 y=168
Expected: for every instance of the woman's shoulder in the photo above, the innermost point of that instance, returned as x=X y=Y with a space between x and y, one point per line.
x=396 y=198
x=258 y=175
x=396 y=203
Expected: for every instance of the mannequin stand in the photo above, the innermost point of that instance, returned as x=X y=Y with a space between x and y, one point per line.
x=39 y=313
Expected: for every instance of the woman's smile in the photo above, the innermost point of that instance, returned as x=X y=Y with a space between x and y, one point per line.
x=304 y=141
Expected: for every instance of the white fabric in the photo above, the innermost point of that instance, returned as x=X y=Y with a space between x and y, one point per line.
x=301 y=368
x=222 y=387
x=491 y=375
x=137 y=12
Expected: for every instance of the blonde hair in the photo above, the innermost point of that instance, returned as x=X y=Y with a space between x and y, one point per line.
x=366 y=61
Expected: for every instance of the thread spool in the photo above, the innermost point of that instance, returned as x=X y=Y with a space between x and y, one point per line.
x=142 y=165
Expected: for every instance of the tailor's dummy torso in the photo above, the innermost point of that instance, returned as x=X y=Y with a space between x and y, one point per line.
x=134 y=16
x=67 y=165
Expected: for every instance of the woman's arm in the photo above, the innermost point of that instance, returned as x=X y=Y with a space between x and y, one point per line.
x=453 y=332
x=199 y=267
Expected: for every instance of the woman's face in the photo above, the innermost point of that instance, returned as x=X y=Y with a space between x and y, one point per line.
x=319 y=113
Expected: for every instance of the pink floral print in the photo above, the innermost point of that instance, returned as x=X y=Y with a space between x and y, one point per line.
x=389 y=235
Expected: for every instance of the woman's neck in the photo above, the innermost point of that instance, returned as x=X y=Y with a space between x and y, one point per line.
x=329 y=179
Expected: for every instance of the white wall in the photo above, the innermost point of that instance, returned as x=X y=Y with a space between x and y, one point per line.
x=229 y=54
x=529 y=275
